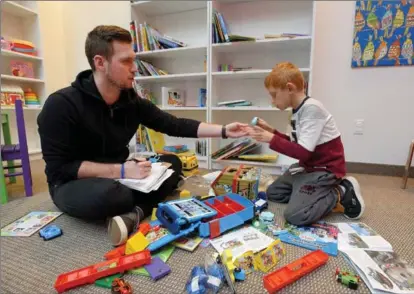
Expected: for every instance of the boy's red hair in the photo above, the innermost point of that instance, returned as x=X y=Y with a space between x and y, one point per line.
x=283 y=73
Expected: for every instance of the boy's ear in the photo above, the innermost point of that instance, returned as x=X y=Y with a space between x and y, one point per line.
x=291 y=87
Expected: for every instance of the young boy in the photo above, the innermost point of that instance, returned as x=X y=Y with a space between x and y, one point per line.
x=317 y=184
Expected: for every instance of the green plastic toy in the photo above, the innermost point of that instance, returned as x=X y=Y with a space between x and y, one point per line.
x=347 y=279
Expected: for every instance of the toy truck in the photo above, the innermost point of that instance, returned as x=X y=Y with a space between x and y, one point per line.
x=292 y=272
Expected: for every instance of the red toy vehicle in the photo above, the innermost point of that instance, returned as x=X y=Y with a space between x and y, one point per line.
x=119 y=286
x=292 y=272
x=90 y=274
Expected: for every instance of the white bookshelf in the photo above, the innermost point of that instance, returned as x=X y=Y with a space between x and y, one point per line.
x=191 y=23
x=20 y=20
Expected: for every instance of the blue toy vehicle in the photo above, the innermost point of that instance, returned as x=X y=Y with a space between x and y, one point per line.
x=50 y=232
x=260 y=205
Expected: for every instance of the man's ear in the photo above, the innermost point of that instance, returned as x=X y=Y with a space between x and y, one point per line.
x=99 y=61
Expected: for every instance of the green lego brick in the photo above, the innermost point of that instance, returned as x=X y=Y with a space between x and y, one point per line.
x=107 y=281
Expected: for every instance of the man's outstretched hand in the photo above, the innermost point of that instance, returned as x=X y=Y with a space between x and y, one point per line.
x=236 y=130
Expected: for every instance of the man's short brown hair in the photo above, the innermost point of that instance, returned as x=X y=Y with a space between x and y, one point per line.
x=99 y=41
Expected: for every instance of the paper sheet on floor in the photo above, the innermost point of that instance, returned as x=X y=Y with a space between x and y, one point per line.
x=241 y=241
x=360 y=236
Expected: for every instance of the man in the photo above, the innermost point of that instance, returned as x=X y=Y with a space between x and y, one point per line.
x=85 y=130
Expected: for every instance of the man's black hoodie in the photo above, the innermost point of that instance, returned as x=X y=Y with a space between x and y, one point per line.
x=77 y=125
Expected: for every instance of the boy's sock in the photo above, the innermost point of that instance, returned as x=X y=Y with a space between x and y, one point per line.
x=121 y=226
x=350 y=201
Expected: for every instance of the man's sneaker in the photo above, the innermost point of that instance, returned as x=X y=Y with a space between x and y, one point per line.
x=352 y=200
x=121 y=226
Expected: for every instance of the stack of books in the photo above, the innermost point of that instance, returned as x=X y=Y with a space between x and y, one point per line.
x=235 y=149
x=221 y=31
x=145 y=68
x=146 y=38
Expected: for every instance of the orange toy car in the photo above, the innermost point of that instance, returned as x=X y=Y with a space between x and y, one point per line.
x=119 y=286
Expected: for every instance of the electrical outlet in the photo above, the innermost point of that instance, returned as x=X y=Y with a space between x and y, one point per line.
x=359 y=127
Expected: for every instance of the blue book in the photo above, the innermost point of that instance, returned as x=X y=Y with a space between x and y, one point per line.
x=320 y=235
x=202 y=97
x=167 y=43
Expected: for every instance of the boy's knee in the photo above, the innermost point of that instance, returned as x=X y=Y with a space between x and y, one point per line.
x=273 y=193
x=296 y=218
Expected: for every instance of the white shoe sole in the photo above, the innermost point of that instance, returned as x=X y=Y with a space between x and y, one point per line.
x=358 y=194
x=120 y=226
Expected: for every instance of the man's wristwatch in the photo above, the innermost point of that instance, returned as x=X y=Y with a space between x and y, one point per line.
x=223 y=132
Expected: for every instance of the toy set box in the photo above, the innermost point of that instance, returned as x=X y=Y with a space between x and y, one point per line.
x=243 y=180
x=211 y=217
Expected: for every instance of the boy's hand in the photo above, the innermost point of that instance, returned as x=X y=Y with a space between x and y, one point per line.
x=264 y=125
x=260 y=134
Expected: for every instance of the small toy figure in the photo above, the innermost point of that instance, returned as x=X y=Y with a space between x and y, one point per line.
x=119 y=286
x=348 y=279
x=276 y=229
x=50 y=232
x=266 y=218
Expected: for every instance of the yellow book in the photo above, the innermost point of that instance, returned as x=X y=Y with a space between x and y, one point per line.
x=157 y=140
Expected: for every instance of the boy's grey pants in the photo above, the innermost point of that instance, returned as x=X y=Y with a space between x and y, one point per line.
x=310 y=196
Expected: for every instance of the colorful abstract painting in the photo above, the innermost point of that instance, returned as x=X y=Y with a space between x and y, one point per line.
x=383 y=33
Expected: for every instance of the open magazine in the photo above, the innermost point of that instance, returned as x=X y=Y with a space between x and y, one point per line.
x=159 y=173
x=382 y=271
x=373 y=258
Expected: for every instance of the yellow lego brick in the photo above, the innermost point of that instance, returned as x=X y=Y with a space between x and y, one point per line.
x=227 y=259
x=185 y=194
x=136 y=243
x=154 y=214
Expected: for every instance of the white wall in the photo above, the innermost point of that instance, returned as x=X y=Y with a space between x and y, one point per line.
x=383 y=97
x=79 y=18
x=53 y=44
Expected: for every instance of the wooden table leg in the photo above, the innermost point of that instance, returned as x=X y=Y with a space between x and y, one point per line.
x=407 y=166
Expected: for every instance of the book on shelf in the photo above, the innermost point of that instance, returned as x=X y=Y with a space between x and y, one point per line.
x=149 y=140
x=234 y=103
x=235 y=149
x=145 y=69
x=147 y=38
x=284 y=35
x=172 y=97
x=143 y=92
x=202 y=97
x=220 y=29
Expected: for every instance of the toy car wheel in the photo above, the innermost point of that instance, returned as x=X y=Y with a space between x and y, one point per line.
x=352 y=285
x=338 y=279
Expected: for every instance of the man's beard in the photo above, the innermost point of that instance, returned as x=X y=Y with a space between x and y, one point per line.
x=116 y=84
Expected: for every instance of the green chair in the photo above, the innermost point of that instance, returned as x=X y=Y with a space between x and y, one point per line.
x=3 y=190
x=7 y=140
